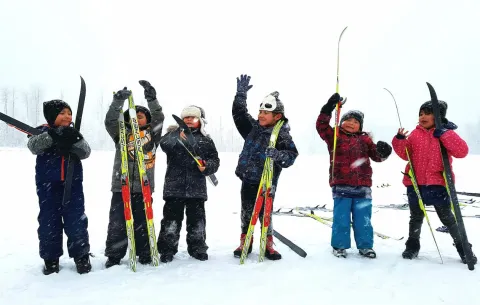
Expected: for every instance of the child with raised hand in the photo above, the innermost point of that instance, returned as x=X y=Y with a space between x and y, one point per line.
x=351 y=179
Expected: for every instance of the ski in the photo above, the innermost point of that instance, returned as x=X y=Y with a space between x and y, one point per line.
x=126 y=196
x=328 y=222
x=67 y=191
x=191 y=141
x=290 y=244
x=145 y=183
x=20 y=126
x=469 y=194
x=259 y=202
x=450 y=184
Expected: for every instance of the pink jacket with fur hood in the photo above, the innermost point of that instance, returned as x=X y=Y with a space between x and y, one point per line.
x=425 y=154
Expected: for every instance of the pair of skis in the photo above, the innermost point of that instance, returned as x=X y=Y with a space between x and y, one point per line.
x=145 y=186
x=67 y=191
x=264 y=200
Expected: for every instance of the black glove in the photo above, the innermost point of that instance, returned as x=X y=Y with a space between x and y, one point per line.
x=150 y=93
x=65 y=137
x=242 y=84
x=272 y=153
x=123 y=94
x=438 y=132
x=331 y=104
x=384 y=149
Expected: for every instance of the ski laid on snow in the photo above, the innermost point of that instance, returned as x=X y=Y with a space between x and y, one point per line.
x=290 y=244
x=450 y=184
x=145 y=183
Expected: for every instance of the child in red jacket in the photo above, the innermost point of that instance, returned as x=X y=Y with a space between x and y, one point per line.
x=423 y=146
x=351 y=178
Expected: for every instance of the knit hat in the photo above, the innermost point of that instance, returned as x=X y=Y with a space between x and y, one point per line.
x=138 y=109
x=427 y=107
x=52 y=109
x=355 y=114
x=272 y=103
x=199 y=113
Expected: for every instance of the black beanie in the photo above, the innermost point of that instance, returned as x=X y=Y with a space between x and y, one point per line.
x=356 y=114
x=52 y=108
x=138 y=108
x=427 y=107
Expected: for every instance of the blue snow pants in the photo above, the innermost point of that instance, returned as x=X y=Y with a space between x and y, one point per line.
x=54 y=218
x=361 y=210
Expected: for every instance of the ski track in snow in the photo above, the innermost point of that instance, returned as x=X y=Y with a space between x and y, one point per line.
x=320 y=278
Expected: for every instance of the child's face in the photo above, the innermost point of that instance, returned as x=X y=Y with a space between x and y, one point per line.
x=64 y=118
x=351 y=125
x=141 y=118
x=426 y=120
x=267 y=118
x=192 y=121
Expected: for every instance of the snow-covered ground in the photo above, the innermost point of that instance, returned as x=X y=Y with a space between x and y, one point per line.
x=320 y=278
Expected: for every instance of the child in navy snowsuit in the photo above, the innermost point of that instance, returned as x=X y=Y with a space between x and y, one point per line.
x=255 y=150
x=351 y=178
x=150 y=121
x=52 y=147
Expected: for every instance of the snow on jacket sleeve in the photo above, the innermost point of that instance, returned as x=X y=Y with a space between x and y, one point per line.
x=324 y=129
x=169 y=140
x=287 y=150
x=454 y=144
x=39 y=143
x=111 y=118
x=242 y=119
x=157 y=120
x=399 y=146
x=81 y=149
x=372 y=150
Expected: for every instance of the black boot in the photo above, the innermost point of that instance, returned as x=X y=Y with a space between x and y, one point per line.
x=83 y=264
x=412 y=249
x=166 y=258
x=462 y=253
x=111 y=261
x=51 y=266
x=201 y=256
x=145 y=259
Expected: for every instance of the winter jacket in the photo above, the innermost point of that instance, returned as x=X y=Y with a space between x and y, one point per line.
x=425 y=154
x=150 y=138
x=50 y=165
x=252 y=158
x=353 y=154
x=183 y=179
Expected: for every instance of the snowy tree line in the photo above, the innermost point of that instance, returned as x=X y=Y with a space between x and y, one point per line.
x=26 y=106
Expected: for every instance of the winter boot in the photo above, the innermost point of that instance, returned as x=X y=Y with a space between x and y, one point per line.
x=111 y=261
x=83 y=264
x=271 y=253
x=166 y=258
x=412 y=249
x=238 y=252
x=201 y=256
x=144 y=259
x=370 y=253
x=51 y=266
x=339 y=252
x=462 y=253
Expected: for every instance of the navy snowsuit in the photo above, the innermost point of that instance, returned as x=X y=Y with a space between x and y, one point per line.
x=53 y=218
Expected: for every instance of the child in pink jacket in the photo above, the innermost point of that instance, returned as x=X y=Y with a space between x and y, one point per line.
x=423 y=146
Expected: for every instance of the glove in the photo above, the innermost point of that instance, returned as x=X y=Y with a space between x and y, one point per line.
x=123 y=94
x=242 y=84
x=438 y=132
x=150 y=93
x=272 y=153
x=331 y=104
x=384 y=149
x=64 y=138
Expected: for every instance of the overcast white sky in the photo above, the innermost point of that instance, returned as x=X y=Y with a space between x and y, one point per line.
x=192 y=51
